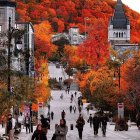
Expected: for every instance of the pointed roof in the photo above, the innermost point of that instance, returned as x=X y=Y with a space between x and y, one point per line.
x=119 y=19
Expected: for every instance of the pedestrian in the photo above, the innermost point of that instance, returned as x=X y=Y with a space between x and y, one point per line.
x=138 y=120
x=61 y=130
x=96 y=123
x=75 y=93
x=44 y=124
x=39 y=134
x=49 y=107
x=27 y=123
x=90 y=120
x=74 y=109
x=79 y=125
x=63 y=114
x=61 y=96
x=52 y=114
x=80 y=109
x=71 y=98
x=70 y=108
x=79 y=101
x=104 y=121
x=10 y=127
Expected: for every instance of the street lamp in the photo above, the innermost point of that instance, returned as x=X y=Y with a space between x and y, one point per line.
x=120 y=103
x=31 y=115
x=85 y=20
x=11 y=32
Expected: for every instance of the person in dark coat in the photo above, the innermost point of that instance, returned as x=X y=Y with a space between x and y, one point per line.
x=52 y=114
x=70 y=108
x=61 y=130
x=27 y=123
x=138 y=120
x=44 y=124
x=80 y=109
x=90 y=120
x=104 y=121
x=39 y=134
x=75 y=93
x=96 y=122
x=79 y=125
x=63 y=114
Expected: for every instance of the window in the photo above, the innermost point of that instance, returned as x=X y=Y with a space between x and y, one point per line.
x=0 y=28
x=1 y=13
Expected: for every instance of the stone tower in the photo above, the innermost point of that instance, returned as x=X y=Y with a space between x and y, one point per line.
x=119 y=26
x=74 y=35
x=7 y=9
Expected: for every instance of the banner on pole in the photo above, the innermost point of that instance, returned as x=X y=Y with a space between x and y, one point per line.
x=120 y=110
x=40 y=109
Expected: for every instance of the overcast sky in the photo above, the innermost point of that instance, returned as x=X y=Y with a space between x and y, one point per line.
x=133 y=4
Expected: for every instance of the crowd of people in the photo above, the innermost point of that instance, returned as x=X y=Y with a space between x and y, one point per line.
x=95 y=121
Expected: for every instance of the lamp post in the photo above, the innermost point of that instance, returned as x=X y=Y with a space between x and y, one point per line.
x=11 y=32
x=120 y=103
x=31 y=114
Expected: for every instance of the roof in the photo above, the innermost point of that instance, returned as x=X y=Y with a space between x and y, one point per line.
x=9 y=3
x=119 y=19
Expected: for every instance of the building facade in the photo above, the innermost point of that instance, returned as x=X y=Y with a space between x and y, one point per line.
x=119 y=31
x=22 y=56
x=119 y=26
x=27 y=47
x=73 y=36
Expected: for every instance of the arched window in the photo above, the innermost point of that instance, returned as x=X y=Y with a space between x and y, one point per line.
x=119 y=34
x=122 y=34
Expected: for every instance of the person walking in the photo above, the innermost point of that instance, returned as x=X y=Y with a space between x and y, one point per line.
x=10 y=127
x=80 y=109
x=74 y=109
x=79 y=102
x=138 y=120
x=90 y=120
x=39 y=134
x=75 y=93
x=44 y=124
x=61 y=130
x=70 y=108
x=61 y=96
x=79 y=125
x=27 y=123
x=52 y=115
x=104 y=121
x=63 y=114
x=96 y=123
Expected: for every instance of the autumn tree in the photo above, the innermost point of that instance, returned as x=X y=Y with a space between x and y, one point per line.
x=95 y=49
x=131 y=77
x=100 y=88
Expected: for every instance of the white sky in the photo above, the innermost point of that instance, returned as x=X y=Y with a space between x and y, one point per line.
x=133 y=4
